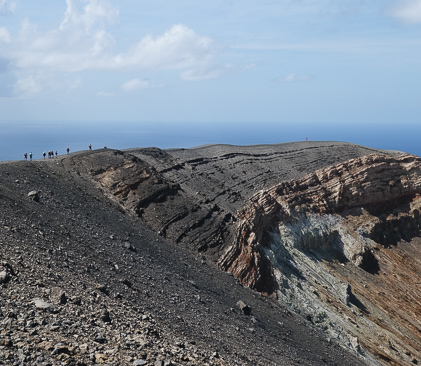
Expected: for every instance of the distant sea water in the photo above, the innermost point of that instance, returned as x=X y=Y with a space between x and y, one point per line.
x=16 y=138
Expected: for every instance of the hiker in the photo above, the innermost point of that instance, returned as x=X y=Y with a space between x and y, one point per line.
x=90 y=147
x=68 y=150
x=26 y=156
x=56 y=154
x=105 y=146
x=30 y=156
x=43 y=154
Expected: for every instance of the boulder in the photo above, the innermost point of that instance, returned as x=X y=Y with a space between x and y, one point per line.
x=34 y=195
x=58 y=296
x=4 y=277
x=244 y=307
x=42 y=304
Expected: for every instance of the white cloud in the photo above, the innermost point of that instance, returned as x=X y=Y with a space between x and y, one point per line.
x=180 y=47
x=4 y=35
x=135 y=84
x=7 y=6
x=82 y=42
x=293 y=77
x=96 y=13
x=408 y=11
x=28 y=85
x=197 y=75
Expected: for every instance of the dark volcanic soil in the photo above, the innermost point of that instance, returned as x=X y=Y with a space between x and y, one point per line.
x=85 y=280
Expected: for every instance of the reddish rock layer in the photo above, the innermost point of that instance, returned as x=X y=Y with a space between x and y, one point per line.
x=371 y=181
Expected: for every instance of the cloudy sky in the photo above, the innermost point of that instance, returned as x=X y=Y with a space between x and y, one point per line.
x=287 y=61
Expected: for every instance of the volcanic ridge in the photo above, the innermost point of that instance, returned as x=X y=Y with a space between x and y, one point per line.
x=297 y=253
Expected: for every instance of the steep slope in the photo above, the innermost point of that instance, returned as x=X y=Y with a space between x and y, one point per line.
x=205 y=186
x=341 y=246
x=83 y=282
x=335 y=213
x=329 y=230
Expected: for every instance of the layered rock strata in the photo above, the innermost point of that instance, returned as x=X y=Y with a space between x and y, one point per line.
x=85 y=283
x=323 y=243
x=337 y=243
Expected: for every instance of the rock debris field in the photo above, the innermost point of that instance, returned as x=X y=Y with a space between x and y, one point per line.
x=86 y=276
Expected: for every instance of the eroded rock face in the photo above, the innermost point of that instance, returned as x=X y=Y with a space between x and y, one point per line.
x=369 y=183
x=321 y=244
x=83 y=282
x=160 y=203
x=337 y=245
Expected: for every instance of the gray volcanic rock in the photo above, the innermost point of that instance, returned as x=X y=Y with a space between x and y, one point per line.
x=296 y=238
x=191 y=196
x=123 y=246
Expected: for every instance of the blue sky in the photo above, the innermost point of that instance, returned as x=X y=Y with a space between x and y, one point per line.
x=339 y=62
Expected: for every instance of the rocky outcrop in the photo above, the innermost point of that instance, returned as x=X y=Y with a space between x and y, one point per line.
x=163 y=205
x=318 y=243
x=85 y=282
x=326 y=229
x=372 y=182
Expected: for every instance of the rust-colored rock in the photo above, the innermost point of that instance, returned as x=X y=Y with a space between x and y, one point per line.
x=340 y=246
x=372 y=181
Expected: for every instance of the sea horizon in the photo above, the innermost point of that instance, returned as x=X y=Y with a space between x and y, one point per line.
x=16 y=138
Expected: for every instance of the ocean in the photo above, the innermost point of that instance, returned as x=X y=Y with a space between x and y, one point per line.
x=16 y=138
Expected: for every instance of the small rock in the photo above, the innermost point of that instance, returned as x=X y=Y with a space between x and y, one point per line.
x=41 y=304
x=105 y=316
x=4 y=277
x=34 y=196
x=83 y=348
x=100 y=358
x=126 y=282
x=60 y=349
x=100 y=339
x=139 y=363
x=46 y=345
x=244 y=307
x=128 y=246
x=58 y=296
x=102 y=288
x=6 y=342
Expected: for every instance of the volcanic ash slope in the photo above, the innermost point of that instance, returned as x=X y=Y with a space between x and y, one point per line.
x=99 y=262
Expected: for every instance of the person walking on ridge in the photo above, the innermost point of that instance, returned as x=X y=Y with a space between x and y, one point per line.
x=90 y=147
x=43 y=154
x=68 y=150
x=30 y=156
x=25 y=156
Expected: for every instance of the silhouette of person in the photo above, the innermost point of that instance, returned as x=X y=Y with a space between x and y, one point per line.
x=68 y=150
x=30 y=156
x=90 y=147
x=25 y=156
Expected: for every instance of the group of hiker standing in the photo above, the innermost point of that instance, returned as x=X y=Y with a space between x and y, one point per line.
x=50 y=154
